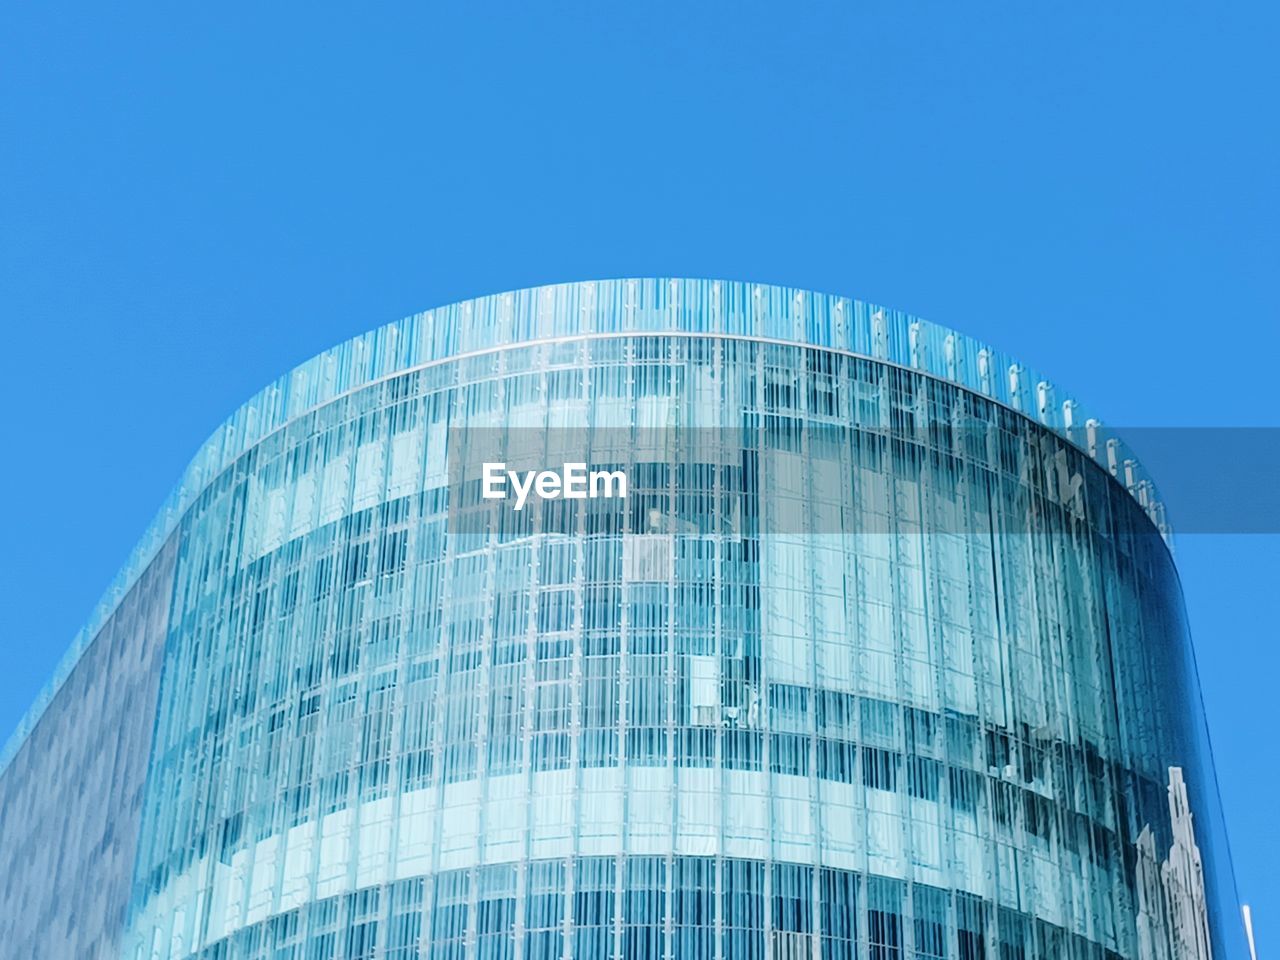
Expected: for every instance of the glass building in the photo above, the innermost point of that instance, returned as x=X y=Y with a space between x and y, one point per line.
x=883 y=655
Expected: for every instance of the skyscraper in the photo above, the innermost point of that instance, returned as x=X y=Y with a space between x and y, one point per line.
x=868 y=645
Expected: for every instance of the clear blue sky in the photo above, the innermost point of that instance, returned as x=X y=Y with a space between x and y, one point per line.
x=195 y=198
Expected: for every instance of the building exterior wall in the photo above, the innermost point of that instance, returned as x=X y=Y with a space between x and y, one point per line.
x=71 y=798
x=877 y=659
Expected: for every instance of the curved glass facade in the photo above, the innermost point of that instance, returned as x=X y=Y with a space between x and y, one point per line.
x=882 y=655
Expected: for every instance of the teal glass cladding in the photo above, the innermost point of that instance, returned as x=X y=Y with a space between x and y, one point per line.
x=901 y=672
